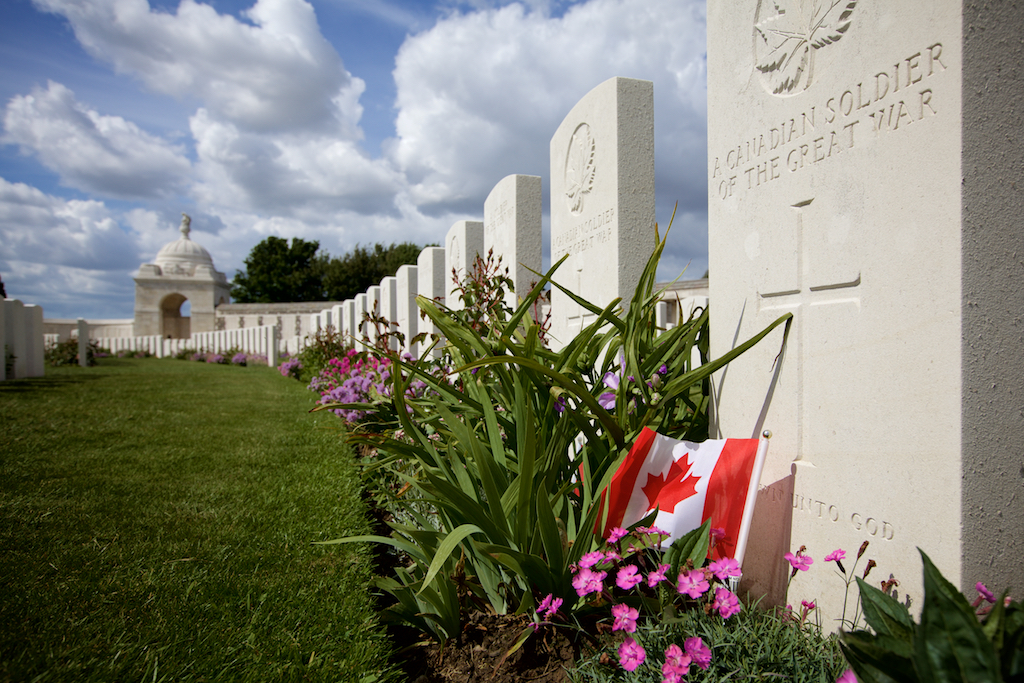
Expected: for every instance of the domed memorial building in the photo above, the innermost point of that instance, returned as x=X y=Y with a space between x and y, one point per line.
x=182 y=271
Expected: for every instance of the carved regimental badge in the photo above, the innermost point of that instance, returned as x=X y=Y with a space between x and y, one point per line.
x=788 y=33
x=579 y=167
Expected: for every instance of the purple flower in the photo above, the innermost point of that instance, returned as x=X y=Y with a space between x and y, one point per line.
x=698 y=652
x=606 y=400
x=657 y=576
x=847 y=677
x=590 y=559
x=631 y=655
x=560 y=404
x=611 y=380
x=724 y=568
x=625 y=618
x=984 y=592
x=628 y=577
x=692 y=583
x=801 y=562
x=726 y=603
x=616 y=534
x=587 y=581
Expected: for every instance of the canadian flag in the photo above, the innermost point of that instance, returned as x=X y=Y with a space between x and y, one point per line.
x=689 y=483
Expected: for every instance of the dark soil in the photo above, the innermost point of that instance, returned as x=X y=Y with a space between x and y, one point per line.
x=482 y=654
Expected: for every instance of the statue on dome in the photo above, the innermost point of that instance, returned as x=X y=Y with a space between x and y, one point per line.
x=186 y=224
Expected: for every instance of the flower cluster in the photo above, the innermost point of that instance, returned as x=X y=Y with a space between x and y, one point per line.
x=358 y=377
x=630 y=562
x=290 y=368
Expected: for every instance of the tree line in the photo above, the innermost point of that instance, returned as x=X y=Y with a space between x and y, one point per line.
x=278 y=272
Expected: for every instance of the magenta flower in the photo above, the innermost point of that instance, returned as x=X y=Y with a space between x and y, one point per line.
x=726 y=603
x=984 y=592
x=657 y=576
x=801 y=562
x=590 y=559
x=587 y=581
x=698 y=652
x=847 y=677
x=611 y=556
x=692 y=583
x=677 y=665
x=724 y=568
x=631 y=655
x=549 y=606
x=625 y=618
x=616 y=534
x=628 y=577
x=836 y=556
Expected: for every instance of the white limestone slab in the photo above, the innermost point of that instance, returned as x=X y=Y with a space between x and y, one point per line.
x=389 y=305
x=348 y=317
x=863 y=186
x=35 y=345
x=16 y=336
x=430 y=281
x=362 y=330
x=602 y=199
x=463 y=243
x=512 y=230
x=407 y=313
x=373 y=304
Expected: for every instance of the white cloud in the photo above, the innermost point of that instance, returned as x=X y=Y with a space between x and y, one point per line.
x=90 y=151
x=277 y=74
x=41 y=229
x=480 y=94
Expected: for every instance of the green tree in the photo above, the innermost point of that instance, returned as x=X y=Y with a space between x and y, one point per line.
x=278 y=272
x=363 y=267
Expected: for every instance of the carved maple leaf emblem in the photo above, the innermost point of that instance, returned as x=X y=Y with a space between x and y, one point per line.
x=787 y=33
x=668 y=490
x=579 y=167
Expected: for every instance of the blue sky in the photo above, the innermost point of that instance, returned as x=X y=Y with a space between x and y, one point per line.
x=344 y=121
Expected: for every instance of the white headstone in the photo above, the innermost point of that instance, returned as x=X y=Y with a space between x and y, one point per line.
x=865 y=184
x=407 y=313
x=465 y=240
x=430 y=279
x=602 y=199
x=336 y=317
x=389 y=306
x=348 y=317
x=512 y=230
x=4 y=341
x=17 y=337
x=83 y=343
x=373 y=305
x=362 y=328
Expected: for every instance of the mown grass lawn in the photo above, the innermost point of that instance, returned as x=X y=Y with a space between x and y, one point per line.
x=157 y=521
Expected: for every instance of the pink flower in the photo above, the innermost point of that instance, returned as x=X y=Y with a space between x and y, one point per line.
x=717 y=533
x=549 y=606
x=625 y=618
x=692 y=583
x=590 y=559
x=587 y=581
x=611 y=556
x=801 y=562
x=631 y=655
x=984 y=592
x=616 y=534
x=847 y=677
x=724 y=568
x=698 y=652
x=677 y=665
x=836 y=556
x=657 y=576
x=726 y=603
x=628 y=577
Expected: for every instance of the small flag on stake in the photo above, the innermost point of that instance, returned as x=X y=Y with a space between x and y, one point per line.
x=689 y=483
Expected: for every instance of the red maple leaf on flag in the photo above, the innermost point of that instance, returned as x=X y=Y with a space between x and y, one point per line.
x=671 y=489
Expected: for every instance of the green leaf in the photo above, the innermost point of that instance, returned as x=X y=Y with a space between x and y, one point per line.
x=949 y=644
x=878 y=659
x=447 y=547
x=884 y=614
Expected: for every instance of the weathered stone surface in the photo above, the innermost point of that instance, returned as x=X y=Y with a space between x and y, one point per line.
x=465 y=240
x=512 y=230
x=864 y=184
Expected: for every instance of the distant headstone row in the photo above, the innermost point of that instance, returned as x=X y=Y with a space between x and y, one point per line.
x=602 y=216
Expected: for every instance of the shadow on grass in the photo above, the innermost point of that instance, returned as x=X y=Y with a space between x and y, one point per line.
x=21 y=386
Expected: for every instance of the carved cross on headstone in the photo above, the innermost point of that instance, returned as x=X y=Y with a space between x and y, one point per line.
x=580 y=317
x=808 y=276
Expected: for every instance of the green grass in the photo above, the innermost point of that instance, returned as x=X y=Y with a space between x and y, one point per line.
x=156 y=523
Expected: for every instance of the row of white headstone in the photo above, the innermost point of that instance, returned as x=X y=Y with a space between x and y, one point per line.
x=21 y=338
x=602 y=217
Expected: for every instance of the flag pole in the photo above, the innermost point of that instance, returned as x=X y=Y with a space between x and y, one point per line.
x=748 y=506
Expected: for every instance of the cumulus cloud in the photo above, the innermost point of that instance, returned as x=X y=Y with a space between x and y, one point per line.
x=480 y=94
x=42 y=229
x=277 y=74
x=90 y=151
